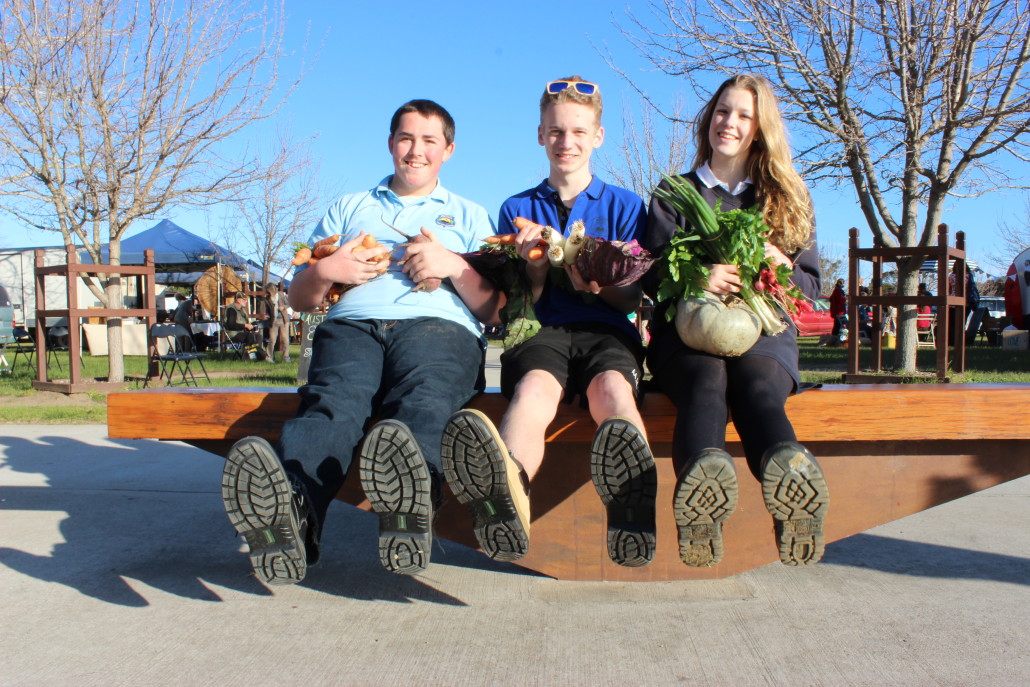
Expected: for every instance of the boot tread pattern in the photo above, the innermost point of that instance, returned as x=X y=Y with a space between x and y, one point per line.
x=398 y=486
x=257 y=496
x=624 y=474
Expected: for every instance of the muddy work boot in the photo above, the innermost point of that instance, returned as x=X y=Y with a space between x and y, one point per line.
x=487 y=480
x=705 y=496
x=398 y=484
x=270 y=510
x=797 y=497
x=624 y=474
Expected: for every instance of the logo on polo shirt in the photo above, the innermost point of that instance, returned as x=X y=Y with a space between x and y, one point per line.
x=445 y=220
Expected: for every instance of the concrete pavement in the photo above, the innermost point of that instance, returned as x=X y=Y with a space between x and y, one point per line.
x=119 y=567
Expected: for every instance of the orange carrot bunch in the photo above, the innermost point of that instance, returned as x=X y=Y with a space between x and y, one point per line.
x=520 y=223
x=326 y=247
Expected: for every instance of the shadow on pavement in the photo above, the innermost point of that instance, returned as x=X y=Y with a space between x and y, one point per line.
x=919 y=559
x=139 y=514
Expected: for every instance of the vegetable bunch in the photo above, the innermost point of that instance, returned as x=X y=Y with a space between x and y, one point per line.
x=304 y=255
x=736 y=238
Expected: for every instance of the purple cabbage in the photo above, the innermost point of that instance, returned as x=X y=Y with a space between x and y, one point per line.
x=612 y=263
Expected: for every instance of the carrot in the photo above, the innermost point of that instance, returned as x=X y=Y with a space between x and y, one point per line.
x=329 y=240
x=302 y=256
x=521 y=223
x=323 y=250
x=369 y=241
x=536 y=253
x=501 y=239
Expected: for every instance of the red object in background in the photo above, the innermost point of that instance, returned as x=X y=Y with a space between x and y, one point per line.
x=1017 y=290
x=817 y=322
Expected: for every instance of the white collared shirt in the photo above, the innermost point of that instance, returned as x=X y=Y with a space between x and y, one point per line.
x=704 y=173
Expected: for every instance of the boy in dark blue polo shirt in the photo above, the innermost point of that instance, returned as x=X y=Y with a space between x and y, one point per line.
x=587 y=346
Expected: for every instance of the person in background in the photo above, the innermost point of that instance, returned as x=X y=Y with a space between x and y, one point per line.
x=185 y=315
x=239 y=328
x=838 y=309
x=279 y=313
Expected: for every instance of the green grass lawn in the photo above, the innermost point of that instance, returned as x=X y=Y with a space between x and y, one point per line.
x=984 y=364
x=20 y=403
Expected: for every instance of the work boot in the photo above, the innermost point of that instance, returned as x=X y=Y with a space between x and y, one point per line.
x=797 y=497
x=705 y=496
x=270 y=510
x=397 y=482
x=624 y=474
x=487 y=480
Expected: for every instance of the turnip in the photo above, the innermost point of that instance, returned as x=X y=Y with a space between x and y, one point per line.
x=726 y=328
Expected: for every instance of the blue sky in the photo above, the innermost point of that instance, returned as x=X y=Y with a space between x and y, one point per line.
x=487 y=63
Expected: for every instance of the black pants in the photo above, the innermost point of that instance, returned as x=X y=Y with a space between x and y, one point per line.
x=706 y=389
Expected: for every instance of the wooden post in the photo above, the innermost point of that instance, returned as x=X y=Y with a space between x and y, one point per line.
x=959 y=361
x=74 y=335
x=41 y=361
x=853 y=328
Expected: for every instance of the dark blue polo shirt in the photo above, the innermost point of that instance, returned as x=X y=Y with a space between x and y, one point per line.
x=609 y=212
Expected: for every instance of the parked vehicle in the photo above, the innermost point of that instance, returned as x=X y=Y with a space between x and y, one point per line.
x=6 y=318
x=995 y=305
x=817 y=322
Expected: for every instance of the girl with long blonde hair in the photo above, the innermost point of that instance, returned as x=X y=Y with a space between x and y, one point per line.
x=743 y=160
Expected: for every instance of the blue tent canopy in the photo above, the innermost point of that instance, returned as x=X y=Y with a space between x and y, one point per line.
x=175 y=250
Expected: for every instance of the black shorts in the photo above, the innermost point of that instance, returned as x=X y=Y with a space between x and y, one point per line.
x=574 y=354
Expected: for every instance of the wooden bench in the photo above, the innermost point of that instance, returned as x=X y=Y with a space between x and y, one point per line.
x=887 y=451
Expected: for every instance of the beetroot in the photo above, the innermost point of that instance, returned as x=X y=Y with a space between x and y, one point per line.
x=612 y=263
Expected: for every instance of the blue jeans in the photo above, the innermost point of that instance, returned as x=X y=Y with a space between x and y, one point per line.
x=417 y=371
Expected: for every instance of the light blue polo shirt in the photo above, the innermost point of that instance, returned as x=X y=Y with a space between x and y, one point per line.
x=459 y=224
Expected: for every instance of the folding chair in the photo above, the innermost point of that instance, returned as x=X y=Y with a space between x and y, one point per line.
x=58 y=328
x=235 y=347
x=178 y=356
x=926 y=326
x=25 y=348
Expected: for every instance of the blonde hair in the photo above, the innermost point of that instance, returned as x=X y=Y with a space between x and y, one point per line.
x=782 y=195
x=571 y=95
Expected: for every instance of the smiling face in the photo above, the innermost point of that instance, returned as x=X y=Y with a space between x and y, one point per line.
x=419 y=148
x=569 y=133
x=733 y=127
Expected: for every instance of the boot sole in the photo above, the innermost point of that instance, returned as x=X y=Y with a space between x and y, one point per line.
x=396 y=481
x=257 y=496
x=705 y=496
x=797 y=497
x=624 y=475
x=486 y=481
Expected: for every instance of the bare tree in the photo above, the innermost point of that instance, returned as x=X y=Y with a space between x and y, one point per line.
x=279 y=208
x=1014 y=240
x=644 y=156
x=832 y=266
x=112 y=111
x=909 y=101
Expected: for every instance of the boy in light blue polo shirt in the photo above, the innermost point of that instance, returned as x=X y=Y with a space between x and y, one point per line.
x=411 y=357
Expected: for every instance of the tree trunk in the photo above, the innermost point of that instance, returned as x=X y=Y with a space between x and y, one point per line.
x=115 y=352
x=115 y=355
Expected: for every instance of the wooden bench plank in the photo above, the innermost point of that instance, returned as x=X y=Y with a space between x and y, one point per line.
x=899 y=412
x=887 y=451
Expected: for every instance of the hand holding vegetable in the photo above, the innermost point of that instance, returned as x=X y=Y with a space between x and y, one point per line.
x=361 y=259
x=427 y=261
x=724 y=279
x=579 y=283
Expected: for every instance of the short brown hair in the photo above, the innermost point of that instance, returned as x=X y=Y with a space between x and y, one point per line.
x=571 y=95
x=427 y=109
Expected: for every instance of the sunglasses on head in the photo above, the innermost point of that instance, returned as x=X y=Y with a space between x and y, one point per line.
x=584 y=87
